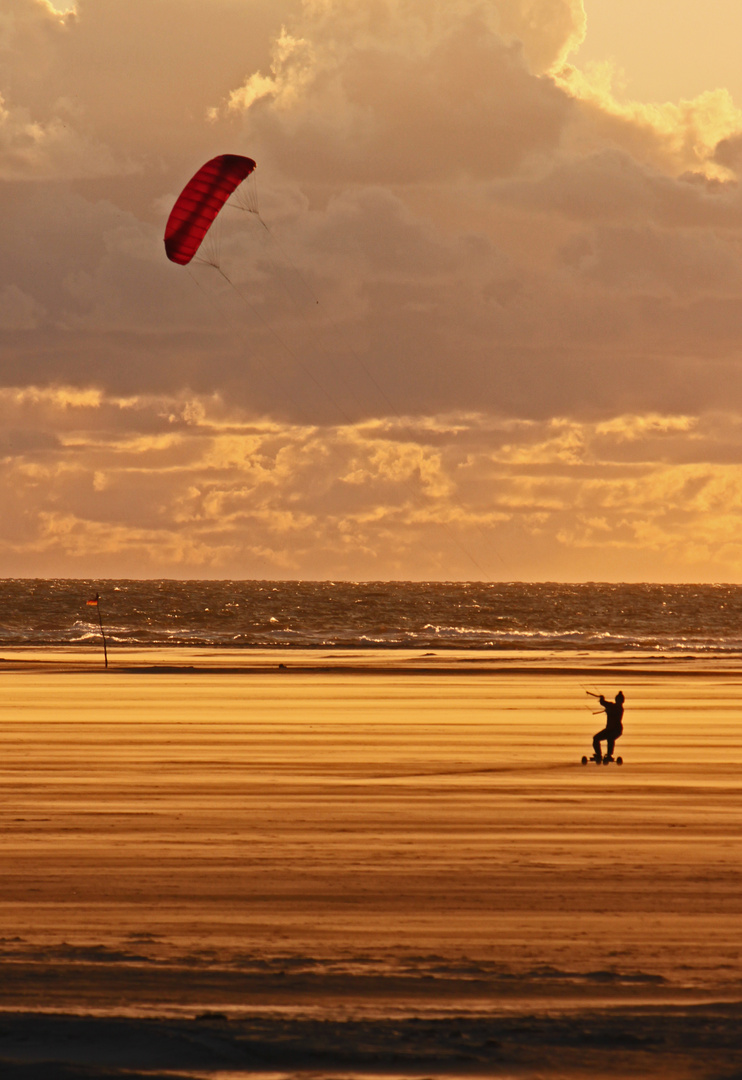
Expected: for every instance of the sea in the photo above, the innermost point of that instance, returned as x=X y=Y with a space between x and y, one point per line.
x=669 y=619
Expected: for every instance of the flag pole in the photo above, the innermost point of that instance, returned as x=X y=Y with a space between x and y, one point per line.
x=96 y=604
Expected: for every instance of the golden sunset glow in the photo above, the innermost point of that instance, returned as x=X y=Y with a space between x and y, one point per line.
x=488 y=323
x=371 y=539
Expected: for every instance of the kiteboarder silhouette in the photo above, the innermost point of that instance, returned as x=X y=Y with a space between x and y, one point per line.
x=613 y=729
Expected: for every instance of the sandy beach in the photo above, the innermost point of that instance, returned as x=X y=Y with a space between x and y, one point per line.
x=354 y=863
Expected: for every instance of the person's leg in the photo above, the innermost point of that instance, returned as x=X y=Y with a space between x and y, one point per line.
x=610 y=742
x=615 y=736
x=596 y=742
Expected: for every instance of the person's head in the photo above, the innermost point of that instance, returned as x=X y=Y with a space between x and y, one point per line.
x=620 y=698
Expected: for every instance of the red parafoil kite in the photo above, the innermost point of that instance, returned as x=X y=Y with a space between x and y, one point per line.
x=200 y=201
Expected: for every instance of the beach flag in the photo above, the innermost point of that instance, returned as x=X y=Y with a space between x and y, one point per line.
x=94 y=603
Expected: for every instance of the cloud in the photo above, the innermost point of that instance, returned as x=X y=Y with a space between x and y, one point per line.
x=610 y=186
x=549 y=31
x=652 y=262
x=191 y=483
x=41 y=139
x=101 y=90
x=402 y=93
x=675 y=137
x=487 y=322
x=18 y=311
x=49 y=150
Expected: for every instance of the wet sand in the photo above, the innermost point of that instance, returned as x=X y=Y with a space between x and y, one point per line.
x=368 y=862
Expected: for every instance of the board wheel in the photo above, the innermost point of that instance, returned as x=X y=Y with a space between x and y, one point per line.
x=606 y=761
x=619 y=761
x=584 y=760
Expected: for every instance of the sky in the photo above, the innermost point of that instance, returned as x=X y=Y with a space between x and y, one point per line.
x=486 y=323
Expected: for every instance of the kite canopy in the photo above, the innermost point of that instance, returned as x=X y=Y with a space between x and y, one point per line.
x=200 y=201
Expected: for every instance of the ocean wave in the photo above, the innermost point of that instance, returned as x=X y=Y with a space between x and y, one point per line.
x=235 y=615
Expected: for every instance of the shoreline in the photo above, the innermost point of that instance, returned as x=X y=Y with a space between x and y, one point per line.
x=366 y=661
